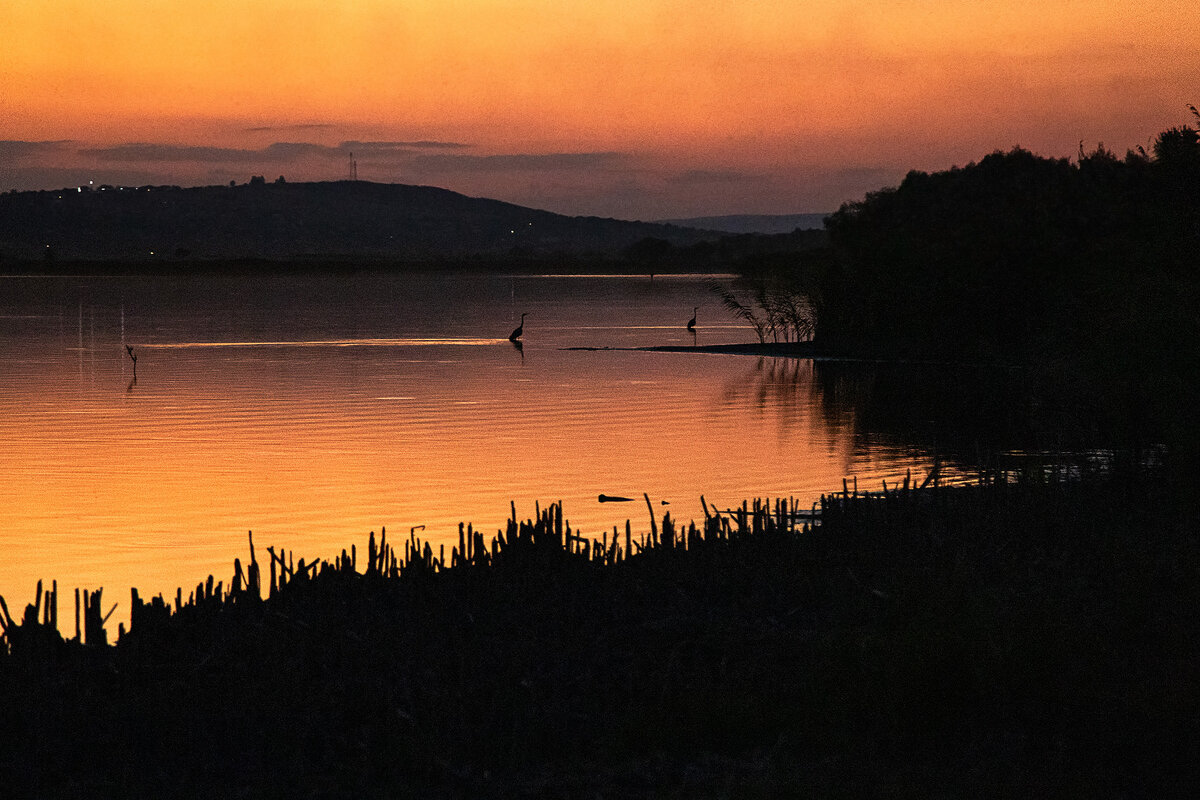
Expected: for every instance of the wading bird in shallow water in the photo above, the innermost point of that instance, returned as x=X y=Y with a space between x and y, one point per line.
x=692 y=322
x=512 y=337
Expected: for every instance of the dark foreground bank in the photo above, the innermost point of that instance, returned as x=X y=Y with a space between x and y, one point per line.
x=1003 y=640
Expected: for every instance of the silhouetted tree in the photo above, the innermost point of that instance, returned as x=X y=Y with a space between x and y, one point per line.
x=1177 y=147
x=992 y=259
x=1086 y=270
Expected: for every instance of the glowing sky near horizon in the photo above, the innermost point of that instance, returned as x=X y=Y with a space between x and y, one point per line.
x=636 y=109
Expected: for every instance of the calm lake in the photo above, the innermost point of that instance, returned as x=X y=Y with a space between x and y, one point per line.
x=313 y=409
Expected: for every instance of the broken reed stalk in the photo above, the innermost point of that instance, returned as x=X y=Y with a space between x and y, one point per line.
x=653 y=526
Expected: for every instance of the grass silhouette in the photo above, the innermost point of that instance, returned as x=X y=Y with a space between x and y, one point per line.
x=1015 y=636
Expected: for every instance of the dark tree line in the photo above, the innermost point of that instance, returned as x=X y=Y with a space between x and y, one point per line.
x=744 y=252
x=1019 y=257
x=1084 y=272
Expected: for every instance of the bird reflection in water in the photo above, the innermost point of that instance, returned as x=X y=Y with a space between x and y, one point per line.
x=133 y=358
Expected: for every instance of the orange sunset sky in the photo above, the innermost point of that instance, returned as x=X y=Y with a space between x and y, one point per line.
x=629 y=108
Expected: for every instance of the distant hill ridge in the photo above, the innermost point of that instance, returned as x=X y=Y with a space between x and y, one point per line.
x=301 y=220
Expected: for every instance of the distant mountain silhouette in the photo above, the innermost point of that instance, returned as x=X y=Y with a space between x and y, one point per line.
x=343 y=219
x=752 y=223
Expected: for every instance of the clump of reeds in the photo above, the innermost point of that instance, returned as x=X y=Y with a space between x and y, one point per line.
x=1032 y=633
x=782 y=313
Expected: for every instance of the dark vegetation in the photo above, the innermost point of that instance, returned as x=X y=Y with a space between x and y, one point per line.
x=1010 y=639
x=744 y=252
x=774 y=311
x=752 y=223
x=1016 y=259
x=1082 y=275
x=1021 y=258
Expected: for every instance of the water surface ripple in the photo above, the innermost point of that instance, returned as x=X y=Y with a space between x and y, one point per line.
x=313 y=409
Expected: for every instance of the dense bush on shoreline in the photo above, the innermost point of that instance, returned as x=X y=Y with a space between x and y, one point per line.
x=1022 y=257
x=1081 y=273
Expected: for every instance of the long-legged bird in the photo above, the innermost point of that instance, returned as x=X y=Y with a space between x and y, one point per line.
x=516 y=334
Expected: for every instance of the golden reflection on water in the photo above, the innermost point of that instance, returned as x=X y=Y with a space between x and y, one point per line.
x=314 y=441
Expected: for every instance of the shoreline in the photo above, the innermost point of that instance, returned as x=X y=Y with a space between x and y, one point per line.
x=808 y=350
x=780 y=349
x=543 y=663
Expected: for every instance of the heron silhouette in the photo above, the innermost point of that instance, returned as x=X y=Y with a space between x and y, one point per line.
x=516 y=334
x=691 y=326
